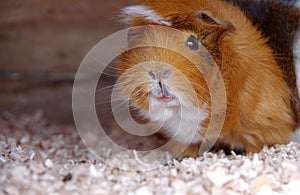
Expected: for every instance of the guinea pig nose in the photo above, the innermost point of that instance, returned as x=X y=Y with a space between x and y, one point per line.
x=165 y=74
x=152 y=75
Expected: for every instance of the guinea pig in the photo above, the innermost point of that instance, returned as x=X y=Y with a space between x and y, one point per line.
x=256 y=63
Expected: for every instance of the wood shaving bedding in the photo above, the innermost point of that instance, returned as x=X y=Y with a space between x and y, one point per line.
x=42 y=158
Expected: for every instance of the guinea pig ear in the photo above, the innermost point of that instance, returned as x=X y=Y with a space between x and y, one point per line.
x=216 y=24
x=212 y=32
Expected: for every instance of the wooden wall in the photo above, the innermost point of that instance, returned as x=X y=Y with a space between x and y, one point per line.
x=42 y=43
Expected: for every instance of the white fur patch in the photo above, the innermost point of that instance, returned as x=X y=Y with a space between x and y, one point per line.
x=183 y=125
x=297 y=59
x=143 y=11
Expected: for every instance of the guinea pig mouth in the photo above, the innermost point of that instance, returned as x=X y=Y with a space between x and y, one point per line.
x=166 y=99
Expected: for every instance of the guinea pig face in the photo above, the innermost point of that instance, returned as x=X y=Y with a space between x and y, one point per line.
x=162 y=77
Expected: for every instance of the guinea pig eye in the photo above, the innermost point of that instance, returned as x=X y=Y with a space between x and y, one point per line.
x=192 y=43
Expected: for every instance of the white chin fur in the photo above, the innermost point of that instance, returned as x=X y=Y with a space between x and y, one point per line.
x=183 y=125
x=142 y=11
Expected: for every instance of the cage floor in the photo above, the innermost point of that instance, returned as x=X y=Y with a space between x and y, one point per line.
x=42 y=158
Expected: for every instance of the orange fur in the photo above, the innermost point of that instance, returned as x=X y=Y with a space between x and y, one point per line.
x=258 y=99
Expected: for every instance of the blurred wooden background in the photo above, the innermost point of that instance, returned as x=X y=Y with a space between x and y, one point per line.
x=42 y=43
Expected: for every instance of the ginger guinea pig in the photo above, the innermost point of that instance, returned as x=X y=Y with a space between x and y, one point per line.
x=166 y=86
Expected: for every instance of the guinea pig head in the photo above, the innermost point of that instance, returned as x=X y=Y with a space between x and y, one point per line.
x=162 y=75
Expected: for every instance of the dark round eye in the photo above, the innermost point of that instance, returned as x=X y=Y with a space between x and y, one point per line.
x=192 y=43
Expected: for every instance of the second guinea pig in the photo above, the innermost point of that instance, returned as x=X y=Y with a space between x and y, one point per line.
x=166 y=86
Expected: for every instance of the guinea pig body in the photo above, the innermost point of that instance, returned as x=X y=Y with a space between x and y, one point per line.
x=262 y=104
x=278 y=20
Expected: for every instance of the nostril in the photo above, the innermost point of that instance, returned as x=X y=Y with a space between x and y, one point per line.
x=165 y=74
x=160 y=85
x=152 y=75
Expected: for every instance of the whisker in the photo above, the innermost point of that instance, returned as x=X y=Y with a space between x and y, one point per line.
x=108 y=101
x=118 y=85
x=110 y=75
x=108 y=67
x=120 y=104
x=113 y=68
x=201 y=86
x=119 y=110
x=105 y=88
